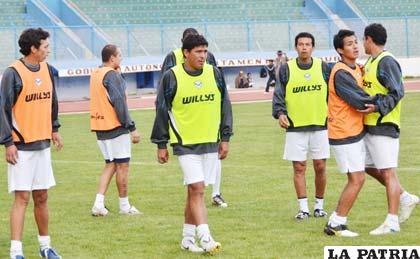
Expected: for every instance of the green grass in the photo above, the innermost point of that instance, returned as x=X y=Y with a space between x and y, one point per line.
x=257 y=183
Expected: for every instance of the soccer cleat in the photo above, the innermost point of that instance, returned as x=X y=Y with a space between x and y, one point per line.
x=340 y=231
x=384 y=229
x=131 y=211
x=190 y=245
x=320 y=213
x=302 y=215
x=219 y=201
x=17 y=257
x=407 y=208
x=210 y=246
x=49 y=253
x=96 y=212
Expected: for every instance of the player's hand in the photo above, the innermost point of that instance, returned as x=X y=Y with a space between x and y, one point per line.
x=162 y=155
x=369 y=109
x=57 y=140
x=135 y=137
x=362 y=68
x=11 y=155
x=284 y=121
x=223 y=150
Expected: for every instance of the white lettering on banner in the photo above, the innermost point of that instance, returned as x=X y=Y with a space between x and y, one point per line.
x=72 y=72
x=245 y=62
x=372 y=252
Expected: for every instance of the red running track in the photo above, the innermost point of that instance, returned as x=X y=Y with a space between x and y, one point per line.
x=237 y=95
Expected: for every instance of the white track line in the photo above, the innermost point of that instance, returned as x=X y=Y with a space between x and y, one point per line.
x=236 y=102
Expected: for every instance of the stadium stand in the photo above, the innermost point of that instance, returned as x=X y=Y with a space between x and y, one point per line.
x=153 y=28
x=155 y=12
x=388 y=8
x=12 y=13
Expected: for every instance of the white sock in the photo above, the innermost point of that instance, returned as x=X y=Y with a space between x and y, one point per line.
x=405 y=197
x=319 y=204
x=203 y=231
x=392 y=220
x=188 y=232
x=336 y=220
x=216 y=185
x=99 y=201
x=44 y=242
x=15 y=248
x=124 y=204
x=303 y=204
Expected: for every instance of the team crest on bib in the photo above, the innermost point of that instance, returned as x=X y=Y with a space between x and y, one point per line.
x=307 y=76
x=198 y=84
x=38 y=81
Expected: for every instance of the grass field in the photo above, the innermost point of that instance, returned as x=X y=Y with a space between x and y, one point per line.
x=257 y=183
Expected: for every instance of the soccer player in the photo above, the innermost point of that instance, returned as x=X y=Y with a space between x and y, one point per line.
x=345 y=127
x=110 y=120
x=300 y=105
x=29 y=122
x=194 y=113
x=174 y=58
x=383 y=78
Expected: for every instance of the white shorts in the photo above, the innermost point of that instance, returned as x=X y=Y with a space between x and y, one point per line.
x=350 y=158
x=33 y=171
x=298 y=144
x=381 y=151
x=200 y=168
x=116 y=150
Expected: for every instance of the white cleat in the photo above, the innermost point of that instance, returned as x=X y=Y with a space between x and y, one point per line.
x=97 y=212
x=348 y=233
x=210 y=246
x=219 y=201
x=384 y=229
x=131 y=211
x=190 y=245
x=408 y=207
x=340 y=231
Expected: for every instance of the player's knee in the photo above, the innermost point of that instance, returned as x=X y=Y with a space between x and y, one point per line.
x=319 y=166
x=40 y=199
x=357 y=179
x=196 y=189
x=111 y=167
x=388 y=175
x=122 y=168
x=299 y=167
x=22 y=200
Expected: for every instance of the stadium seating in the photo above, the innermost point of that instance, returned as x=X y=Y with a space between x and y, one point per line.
x=388 y=8
x=182 y=11
x=12 y=13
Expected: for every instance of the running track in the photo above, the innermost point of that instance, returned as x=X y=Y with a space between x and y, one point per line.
x=236 y=96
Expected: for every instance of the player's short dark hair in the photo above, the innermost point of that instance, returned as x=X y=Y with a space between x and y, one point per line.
x=377 y=32
x=31 y=37
x=339 y=38
x=189 y=31
x=305 y=35
x=194 y=40
x=108 y=51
